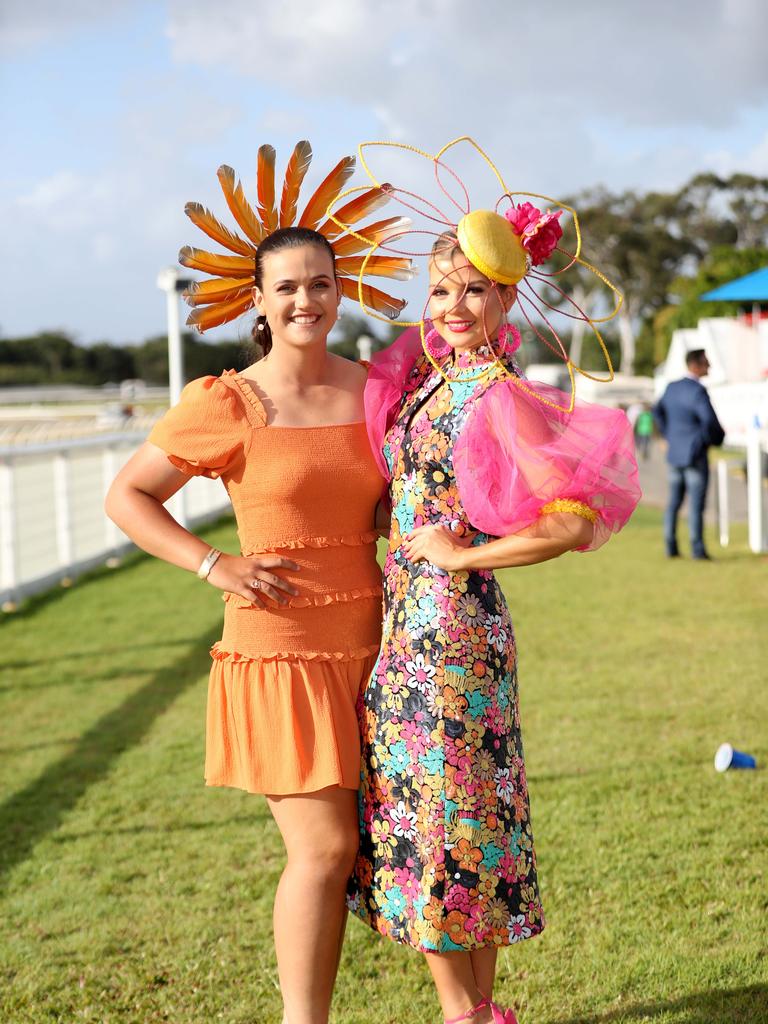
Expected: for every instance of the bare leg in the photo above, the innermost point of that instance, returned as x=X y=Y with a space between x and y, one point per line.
x=341 y=940
x=484 y=968
x=320 y=835
x=457 y=987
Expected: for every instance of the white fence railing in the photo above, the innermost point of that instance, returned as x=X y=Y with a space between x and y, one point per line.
x=52 y=521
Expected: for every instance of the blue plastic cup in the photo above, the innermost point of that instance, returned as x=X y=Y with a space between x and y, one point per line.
x=726 y=757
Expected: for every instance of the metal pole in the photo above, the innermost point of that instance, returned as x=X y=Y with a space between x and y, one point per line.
x=170 y=282
x=175 y=351
x=755 y=504
x=723 y=512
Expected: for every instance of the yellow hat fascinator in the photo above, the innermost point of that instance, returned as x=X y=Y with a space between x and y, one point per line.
x=514 y=244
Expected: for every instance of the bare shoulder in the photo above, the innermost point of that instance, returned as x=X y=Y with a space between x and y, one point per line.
x=348 y=373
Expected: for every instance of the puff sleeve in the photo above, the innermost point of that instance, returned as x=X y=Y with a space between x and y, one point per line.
x=518 y=458
x=205 y=434
x=388 y=373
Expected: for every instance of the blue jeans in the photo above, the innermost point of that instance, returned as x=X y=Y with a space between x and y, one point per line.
x=693 y=480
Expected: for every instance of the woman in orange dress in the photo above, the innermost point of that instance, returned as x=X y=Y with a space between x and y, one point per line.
x=302 y=622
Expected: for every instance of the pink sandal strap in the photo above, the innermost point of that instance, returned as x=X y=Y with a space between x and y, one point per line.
x=470 y=1013
x=499 y=1016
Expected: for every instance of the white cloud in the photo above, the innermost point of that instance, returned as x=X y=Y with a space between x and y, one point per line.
x=439 y=61
x=563 y=95
x=99 y=234
x=24 y=25
x=752 y=161
x=559 y=93
x=285 y=122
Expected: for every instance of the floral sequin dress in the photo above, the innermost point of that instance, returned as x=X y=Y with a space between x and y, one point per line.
x=447 y=859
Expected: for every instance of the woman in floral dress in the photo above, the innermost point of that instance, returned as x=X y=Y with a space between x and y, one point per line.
x=484 y=472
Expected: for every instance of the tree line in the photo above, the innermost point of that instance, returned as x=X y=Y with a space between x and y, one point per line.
x=54 y=357
x=662 y=249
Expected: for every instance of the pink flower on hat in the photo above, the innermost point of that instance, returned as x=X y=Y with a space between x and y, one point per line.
x=523 y=217
x=539 y=232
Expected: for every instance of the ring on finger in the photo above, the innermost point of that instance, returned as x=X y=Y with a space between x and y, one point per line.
x=256 y=585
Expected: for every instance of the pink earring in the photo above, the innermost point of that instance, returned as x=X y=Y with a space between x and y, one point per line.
x=434 y=344
x=509 y=339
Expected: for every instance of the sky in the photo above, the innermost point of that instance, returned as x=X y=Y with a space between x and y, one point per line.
x=114 y=113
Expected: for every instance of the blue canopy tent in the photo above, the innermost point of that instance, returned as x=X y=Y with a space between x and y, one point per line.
x=750 y=288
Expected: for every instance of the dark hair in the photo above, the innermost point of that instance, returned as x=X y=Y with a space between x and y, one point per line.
x=283 y=238
x=695 y=356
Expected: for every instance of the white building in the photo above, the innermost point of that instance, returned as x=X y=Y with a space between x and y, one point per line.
x=738 y=377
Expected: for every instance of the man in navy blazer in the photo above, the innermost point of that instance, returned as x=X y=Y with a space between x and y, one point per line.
x=685 y=417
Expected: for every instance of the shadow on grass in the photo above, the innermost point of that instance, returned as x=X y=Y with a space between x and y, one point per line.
x=747 y=1005
x=39 y=808
x=57 y=657
x=190 y=826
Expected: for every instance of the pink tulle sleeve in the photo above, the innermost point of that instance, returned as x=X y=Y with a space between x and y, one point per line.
x=384 y=389
x=516 y=455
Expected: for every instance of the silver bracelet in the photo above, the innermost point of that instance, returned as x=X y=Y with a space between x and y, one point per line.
x=208 y=563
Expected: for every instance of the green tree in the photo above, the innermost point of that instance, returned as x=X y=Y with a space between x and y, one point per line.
x=638 y=242
x=49 y=357
x=647 y=244
x=106 y=363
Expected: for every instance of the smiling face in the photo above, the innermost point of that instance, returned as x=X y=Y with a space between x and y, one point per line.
x=299 y=294
x=466 y=308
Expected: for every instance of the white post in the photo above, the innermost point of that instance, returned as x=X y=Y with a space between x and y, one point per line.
x=168 y=280
x=175 y=351
x=8 y=576
x=723 y=511
x=109 y=472
x=755 y=503
x=364 y=348
x=62 y=511
x=171 y=283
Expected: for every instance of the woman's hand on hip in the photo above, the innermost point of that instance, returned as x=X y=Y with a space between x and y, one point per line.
x=254 y=578
x=438 y=545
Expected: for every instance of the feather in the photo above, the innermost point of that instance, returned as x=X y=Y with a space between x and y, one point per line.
x=215 y=289
x=217 y=263
x=241 y=209
x=353 y=211
x=374 y=298
x=375 y=234
x=205 y=220
x=396 y=267
x=204 y=317
x=294 y=176
x=265 y=187
x=326 y=192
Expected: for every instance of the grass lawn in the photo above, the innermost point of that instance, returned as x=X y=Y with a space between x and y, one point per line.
x=131 y=893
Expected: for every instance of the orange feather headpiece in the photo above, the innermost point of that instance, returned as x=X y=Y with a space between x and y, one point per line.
x=229 y=292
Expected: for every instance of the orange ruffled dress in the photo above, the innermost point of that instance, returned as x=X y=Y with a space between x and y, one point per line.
x=284 y=680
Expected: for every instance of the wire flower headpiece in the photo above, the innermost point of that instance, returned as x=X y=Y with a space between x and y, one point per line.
x=509 y=244
x=229 y=292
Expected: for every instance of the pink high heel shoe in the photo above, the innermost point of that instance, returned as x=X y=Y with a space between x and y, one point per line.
x=498 y=1015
